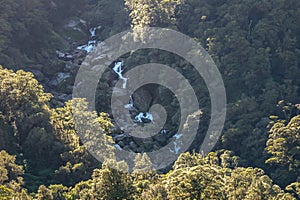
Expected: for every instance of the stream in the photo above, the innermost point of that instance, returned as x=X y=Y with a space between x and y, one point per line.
x=122 y=140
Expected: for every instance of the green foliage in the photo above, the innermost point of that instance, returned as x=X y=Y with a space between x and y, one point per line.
x=283 y=146
x=44 y=193
x=112 y=182
x=11 y=180
x=143 y=174
x=150 y=13
x=25 y=112
x=294 y=188
x=10 y=172
x=79 y=163
x=59 y=192
x=9 y=194
x=255 y=44
x=194 y=177
x=142 y=164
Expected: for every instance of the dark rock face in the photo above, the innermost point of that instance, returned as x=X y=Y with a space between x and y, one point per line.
x=142 y=100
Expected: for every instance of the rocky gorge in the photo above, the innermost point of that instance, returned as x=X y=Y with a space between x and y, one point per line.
x=58 y=79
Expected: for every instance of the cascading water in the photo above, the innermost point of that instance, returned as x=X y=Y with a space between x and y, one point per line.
x=118 y=69
x=91 y=44
x=176 y=143
x=141 y=117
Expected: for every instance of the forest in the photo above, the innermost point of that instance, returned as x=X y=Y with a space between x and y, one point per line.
x=255 y=45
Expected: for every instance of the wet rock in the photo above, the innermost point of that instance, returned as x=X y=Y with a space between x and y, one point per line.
x=133 y=145
x=79 y=54
x=60 y=55
x=59 y=78
x=121 y=144
x=120 y=137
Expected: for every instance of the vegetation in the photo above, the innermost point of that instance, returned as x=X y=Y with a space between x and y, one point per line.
x=256 y=46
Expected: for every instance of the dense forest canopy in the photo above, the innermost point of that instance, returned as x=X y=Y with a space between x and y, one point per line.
x=256 y=47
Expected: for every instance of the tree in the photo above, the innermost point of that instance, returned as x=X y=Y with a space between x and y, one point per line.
x=112 y=182
x=79 y=163
x=294 y=188
x=143 y=174
x=44 y=193
x=195 y=177
x=11 y=180
x=25 y=113
x=8 y=194
x=149 y=13
x=283 y=146
x=10 y=172
x=59 y=192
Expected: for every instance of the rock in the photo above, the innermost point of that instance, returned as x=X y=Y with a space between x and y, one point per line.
x=120 y=137
x=147 y=146
x=115 y=130
x=60 y=55
x=68 y=66
x=161 y=139
x=121 y=144
x=142 y=100
x=56 y=103
x=119 y=92
x=59 y=78
x=126 y=148
x=79 y=54
x=38 y=75
x=64 y=97
x=54 y=68
x=107 y=76
x=133 y=145
x=68 y=57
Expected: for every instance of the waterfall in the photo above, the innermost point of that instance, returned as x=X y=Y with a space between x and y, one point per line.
x=176 y=143
x=142 y=117
x=130 y=104
x=91 y=44
x=118 y=69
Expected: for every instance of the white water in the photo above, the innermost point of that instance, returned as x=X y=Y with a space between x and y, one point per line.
x=176 y=148
x=176 y=143
x=91 y=44
x=130 y=105
x=142 y=116
x=88 y=48
x=93 y=30
x=118 y=69
x=177 y=136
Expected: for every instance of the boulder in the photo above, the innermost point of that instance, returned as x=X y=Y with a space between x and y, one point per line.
x=142 y=100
